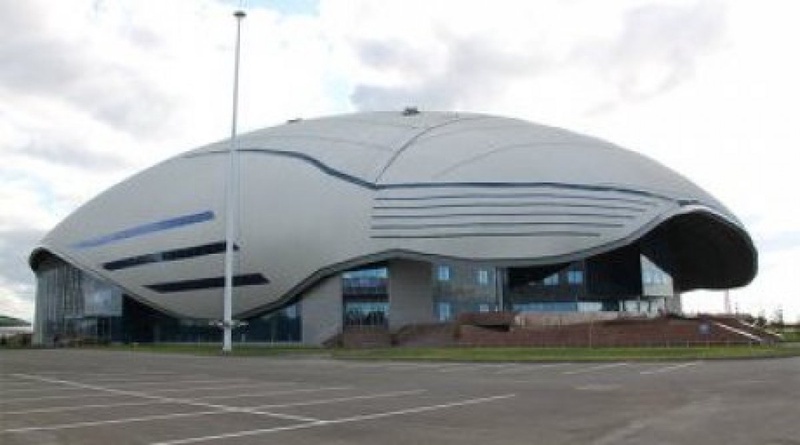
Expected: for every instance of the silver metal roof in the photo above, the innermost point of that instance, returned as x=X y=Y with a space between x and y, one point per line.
x=321 y=195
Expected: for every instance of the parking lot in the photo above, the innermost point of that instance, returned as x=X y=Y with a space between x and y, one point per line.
x=102 y=397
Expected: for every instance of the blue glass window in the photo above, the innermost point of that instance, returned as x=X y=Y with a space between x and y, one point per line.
x=483 y=277
x=552 y=280
x=575 y=277
x=443 y=273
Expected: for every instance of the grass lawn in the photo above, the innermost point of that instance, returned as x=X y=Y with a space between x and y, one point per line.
x=511 y=354
x=522 y=354
x=216 y=349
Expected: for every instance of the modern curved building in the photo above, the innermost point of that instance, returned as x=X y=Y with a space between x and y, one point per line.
x=387 y=218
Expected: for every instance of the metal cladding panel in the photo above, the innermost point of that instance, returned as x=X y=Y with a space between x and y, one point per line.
x=534 y=224
x=323 y=195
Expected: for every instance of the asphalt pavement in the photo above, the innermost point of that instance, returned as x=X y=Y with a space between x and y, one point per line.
x=104 y=397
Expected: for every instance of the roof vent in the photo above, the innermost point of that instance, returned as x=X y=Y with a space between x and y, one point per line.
x=410 y=111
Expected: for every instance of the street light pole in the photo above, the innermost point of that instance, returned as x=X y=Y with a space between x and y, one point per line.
x=231 y=200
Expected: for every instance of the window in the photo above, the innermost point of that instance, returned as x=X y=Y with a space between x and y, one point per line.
x=483 y=277
x=552 y=280
x=365 y=281
x=575 y=277
x=444 y=311
x=443 y=273
x=358 y=313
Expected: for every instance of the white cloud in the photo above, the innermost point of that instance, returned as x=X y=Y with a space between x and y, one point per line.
x=92 y=92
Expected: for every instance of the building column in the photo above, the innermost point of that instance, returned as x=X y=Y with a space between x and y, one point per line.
x=410 y=293
x=321 y=311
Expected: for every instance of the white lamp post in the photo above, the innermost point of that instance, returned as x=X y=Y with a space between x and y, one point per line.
x=231 y=201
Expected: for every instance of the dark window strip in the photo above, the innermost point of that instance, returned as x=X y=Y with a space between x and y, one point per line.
x=490 y=215
x=168 y=255
x=510 y=205
x=487 y=235
x=513 y=195
x=493 y=224
x=144 y=229
x=207 y=283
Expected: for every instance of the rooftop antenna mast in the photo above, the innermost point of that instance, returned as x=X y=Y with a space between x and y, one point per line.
x=231 y=199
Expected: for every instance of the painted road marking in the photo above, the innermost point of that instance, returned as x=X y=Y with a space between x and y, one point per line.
x=122 y=379
x=29 y=390
x=480 y=366
x=342 y=399
x=274 y=393
x=594 y=368
x=33 y=399
x=174 y=382
x=526 y=368
x=56 y=409
x=216 y=388
x=598 y=387
x=669 y=368
x=121 y=373
x=187 y=382
x=360 y=418
x=190 y=402
x=64 y=426
x=110 y=422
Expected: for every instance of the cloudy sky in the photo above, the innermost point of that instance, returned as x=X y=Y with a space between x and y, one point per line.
x=93 y=91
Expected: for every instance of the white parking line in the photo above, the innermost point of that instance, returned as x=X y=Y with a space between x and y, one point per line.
x=18 y=384
x=669 y=368
x=479 y=366
x=215 y=388
x=594 y=368
x=121 y=373
x=343 y=399
x=57 y=409
x=274 y=393
x=191 y=402
x=317 y=423
x=29 y=390
x=519 y=368
x=393 y=366
x=109 y=422
x=65 y=426
x=128 y=379
x=5 y=401
x=186 y=382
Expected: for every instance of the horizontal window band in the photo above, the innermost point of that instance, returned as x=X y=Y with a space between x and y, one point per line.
x=504 y=215
x=145 y=229
x=493 y=224
x=513 y=195
x=207 y=283
x=486 y=235
x=509 y=205
x=167 y=255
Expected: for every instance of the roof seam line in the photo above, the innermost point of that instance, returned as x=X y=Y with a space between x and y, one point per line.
x=405 y=145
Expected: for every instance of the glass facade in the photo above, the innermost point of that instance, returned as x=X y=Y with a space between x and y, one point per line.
x=365 y=296
x=620 y=281
x=73 y=307
x=143 y=324
x=545 y=289
x=463 y=287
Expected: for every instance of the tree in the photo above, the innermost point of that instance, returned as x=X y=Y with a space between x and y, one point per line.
x=777 y=317
x=761 y=319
